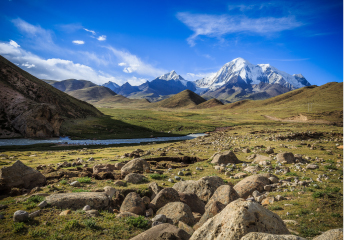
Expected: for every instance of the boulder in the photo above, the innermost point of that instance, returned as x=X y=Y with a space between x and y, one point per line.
x=238 y=219
x=185 y=227
x=163 y=231
x=119 y=165
x=20 y=216
x=135 y=165
x=177 y=211
x=333 y=234
x=154 y=188
x=134 y=178
x=204 y=188
x=261 y=160
x=165 y=196
x=312 y=166
x=109 y=191
x=285 y=158
x=267 y=236
x=78 y=200
x=252 y=169
x=103 y=168
x=120 y=183
x=20 y=176
x=224 y=194
x=213 y=209
x=248 y=185
x=225 y=158
x=133 y=203
x=192 y=201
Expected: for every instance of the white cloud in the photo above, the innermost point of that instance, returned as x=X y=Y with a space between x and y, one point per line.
x=135 y=64
x=220 y=25
x=28 y=65
x=102 y=38
x=53 y=68
x=78 y=42
x=91 y=31
x=134 y=81
x=122 y=64
x=14 y=44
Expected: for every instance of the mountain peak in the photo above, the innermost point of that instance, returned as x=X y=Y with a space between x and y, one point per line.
x=171 y=76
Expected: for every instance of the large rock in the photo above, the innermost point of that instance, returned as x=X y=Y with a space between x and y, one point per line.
x=248 y=185
x=154 y=188
x=225 y=158
x=177 y=211
x=333 y=234
x=19 y=175
x=134 y=178
x=261 y=160
x=204 y=188
x=165 y=196
x=267 y=236
x=103 y=168
x=224 y=194
x=285 y=158
x=212 y=210
x=133 y=203
x=164 y=231
x=135 y=165
x=77 y=200
x=193 y=202
x=238 y=219
x=20 y=216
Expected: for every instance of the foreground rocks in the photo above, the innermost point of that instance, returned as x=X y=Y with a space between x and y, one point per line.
x=164 y=231
x=225 y=158
x=248 y=185
x=204 y=188
x=95 y=200
x=333 y=234
x=177 y=211
x=165 y=196
x=136 y=165
x=19 y=175
x=224 y=194
x=239 y=218
x=133 y=203
x=267 y=236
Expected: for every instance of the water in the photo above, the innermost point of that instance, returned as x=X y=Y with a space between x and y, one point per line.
x=66 y=140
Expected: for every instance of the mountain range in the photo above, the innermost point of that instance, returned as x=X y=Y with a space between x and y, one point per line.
x=236 y=80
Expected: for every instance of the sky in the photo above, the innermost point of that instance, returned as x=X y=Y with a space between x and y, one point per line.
x=135 y=41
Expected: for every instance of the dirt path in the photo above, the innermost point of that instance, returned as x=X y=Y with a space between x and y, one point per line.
x=299 y=118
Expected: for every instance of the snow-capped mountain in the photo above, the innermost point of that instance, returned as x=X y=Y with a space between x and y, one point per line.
x=251 y=74
x=173 y=76
x=112 y=85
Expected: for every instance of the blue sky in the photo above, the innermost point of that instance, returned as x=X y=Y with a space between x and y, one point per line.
x=136 y=41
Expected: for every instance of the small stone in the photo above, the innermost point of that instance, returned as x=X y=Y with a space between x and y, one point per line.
x=268 y=200
x=120 y=183
x=109 y=191
x=20 y=216
x=170 y=180
x=267 y=187
x=86 y=208
x=34 y=214
x=159 y=218
x=177 y=178
x=280 y=198
x=92 y=213
x=75 y=184
x=149 y=212
x=65 y=212
x=180 y=173
x=146 y=200
x=42 y=204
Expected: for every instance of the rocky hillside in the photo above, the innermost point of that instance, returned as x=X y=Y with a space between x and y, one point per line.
x=29 y=107
x=92 y=94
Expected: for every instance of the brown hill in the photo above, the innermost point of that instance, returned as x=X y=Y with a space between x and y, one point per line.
x=29 y=107
x=184 y=99
x=92 y=94
x=209 y=104
x=121 y=101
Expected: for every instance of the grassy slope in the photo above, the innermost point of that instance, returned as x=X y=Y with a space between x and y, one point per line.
x=183 y=99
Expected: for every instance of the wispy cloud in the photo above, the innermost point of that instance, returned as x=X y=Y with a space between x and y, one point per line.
x=28 y=65
x=78 y=42
x=69 y=28
x=196 y=76
x=287 y=59
x=133 y=63
x=101 y=38
x=91 y=31
x=14 y=44
x=219 y=25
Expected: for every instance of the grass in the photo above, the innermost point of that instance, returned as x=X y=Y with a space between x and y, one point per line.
x=139 y=222
x=91 y=224
x=84 y=180
x=72 y=225
x=80 y=190
x=19 y=227
x=157 y=176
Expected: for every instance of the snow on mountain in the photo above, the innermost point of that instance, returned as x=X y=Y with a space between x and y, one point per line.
x=112 y=85
x=173 y=76
x=251 y=74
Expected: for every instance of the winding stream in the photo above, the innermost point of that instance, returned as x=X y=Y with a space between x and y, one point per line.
x=66 y=140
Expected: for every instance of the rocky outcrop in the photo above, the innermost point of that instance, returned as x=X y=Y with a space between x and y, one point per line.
x=204 y=188
x=163 y=232
x=267 y=236
x=285 y=158
x=78 y=200
x=225 y=158
x=248 y=185
x=136 y=165
x=30 y=107
x=333 y=234
x=212 y=210
x=177 y=211
x=224 y=194
x=19 y=175
x=165 y=196
x=238 y=219
x=193 y=201
x=135 y=178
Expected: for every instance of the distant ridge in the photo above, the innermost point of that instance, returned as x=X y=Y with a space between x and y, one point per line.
x=209 y=104
x=184 y=99
x=92 y=94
